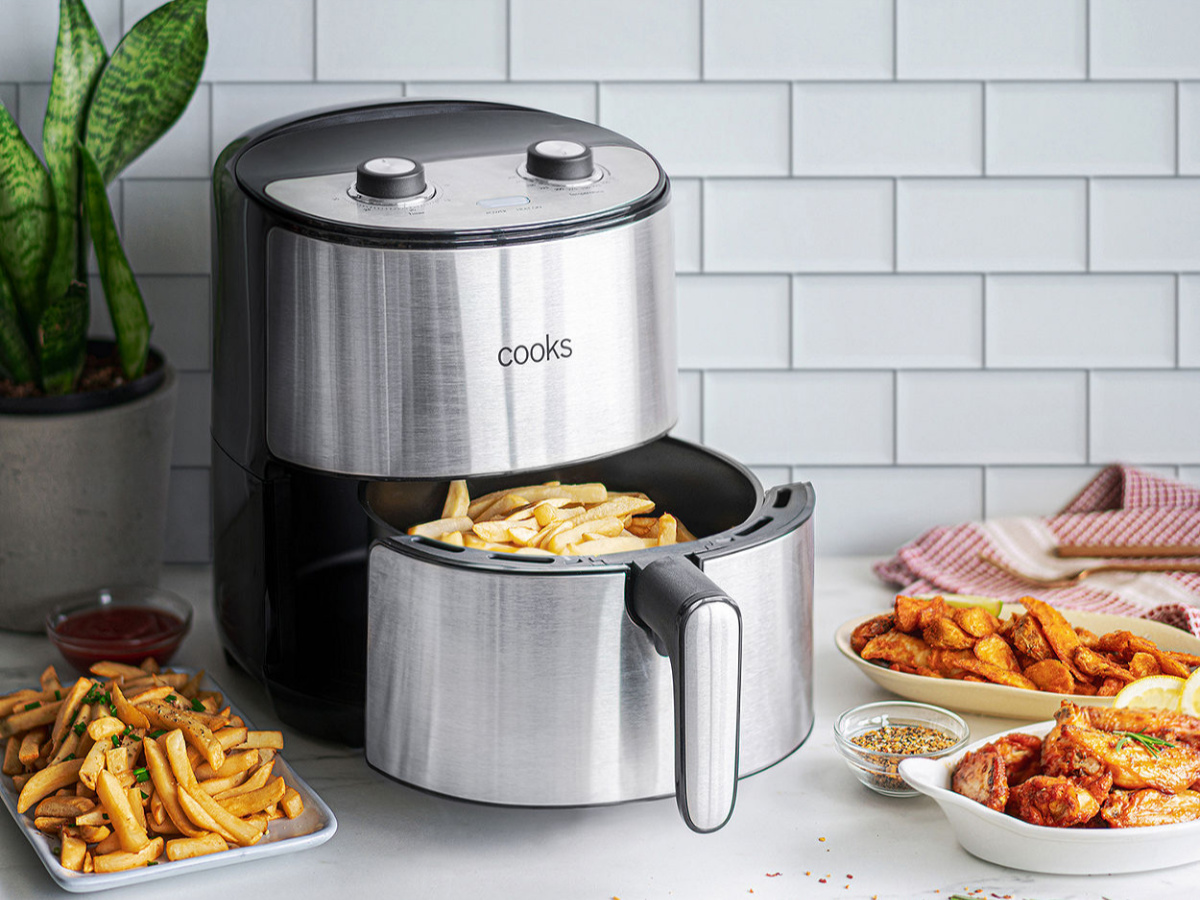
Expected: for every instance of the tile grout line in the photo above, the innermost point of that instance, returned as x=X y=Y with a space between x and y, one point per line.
x=1087 y=415
x=983 y=320
x=1178 y=318
x=1087 y=40
x=1087 y=225
x=895 y=225
x=895 y=417
x=1178 y=137
x=703 y=61
x=316 y=32
x=983 y=129
x=792 y=323
x=895 y=40
x=508 y=40
x=791 y=129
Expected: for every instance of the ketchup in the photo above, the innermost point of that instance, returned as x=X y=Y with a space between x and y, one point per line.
x=125 y=634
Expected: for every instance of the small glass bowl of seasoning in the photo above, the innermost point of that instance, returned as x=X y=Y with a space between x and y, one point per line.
x=874 y=738
x=124 y=624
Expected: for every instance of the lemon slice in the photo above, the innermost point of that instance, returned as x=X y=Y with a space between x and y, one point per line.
x=1189 y=700
x=1153 y=692
x=962 y=601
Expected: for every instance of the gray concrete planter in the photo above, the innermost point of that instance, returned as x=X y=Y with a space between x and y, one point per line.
x=83 y=501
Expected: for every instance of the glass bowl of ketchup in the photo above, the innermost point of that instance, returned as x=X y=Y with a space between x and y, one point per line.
x=122 y=624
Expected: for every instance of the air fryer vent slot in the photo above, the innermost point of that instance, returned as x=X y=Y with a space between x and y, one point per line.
x=514 y=557
x=761 y=523
x=782 y=498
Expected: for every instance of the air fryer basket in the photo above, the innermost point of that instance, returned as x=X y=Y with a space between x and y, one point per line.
x=707 y=492
x=440 y=615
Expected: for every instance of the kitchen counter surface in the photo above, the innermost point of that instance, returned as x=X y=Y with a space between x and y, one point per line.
x=805 y=819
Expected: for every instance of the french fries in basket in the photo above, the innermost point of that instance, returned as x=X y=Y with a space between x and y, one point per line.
x=135 y=767
x=552 y=519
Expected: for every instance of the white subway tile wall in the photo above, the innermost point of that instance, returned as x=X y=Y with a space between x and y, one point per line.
x=942 y=258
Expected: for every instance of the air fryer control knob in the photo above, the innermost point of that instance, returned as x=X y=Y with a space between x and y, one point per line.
x=559 y=160
x=390 y=178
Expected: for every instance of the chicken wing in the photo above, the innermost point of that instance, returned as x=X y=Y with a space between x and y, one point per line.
x=981 y=777
x=1022 y=755
x=1056 y=802
x=1154 y=722
x=1134 y=809
x=1064 y=758
x=1167 y=767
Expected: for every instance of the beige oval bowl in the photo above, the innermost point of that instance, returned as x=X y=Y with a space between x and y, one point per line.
x=1001 y=700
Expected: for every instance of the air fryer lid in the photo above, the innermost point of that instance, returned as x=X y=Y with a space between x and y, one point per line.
x=449 y=172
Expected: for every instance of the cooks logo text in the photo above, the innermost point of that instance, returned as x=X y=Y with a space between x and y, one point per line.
x=559 y=348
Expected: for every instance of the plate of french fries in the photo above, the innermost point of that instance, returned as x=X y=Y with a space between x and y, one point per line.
x=552 y=519
x=1019 y=664
x=133 y=774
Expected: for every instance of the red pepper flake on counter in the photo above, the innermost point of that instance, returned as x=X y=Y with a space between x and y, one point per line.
x=820 y=839
x=777 y=874
x=822 y=880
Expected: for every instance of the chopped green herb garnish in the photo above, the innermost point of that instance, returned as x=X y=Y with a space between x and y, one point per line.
x=145 y=796
x=34 y=705
x=1149 y=743
x=58 y=695
x=141 y=774
x=128 y=731
x=79 y=728
x=69 y=756
x=152 y=863
x=157 y=733
x=171 y=698
x=105 y=815
x=56 y=850
x=116 y=741
x=197 y=706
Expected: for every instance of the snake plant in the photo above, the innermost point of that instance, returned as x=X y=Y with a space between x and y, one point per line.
x=103 y=112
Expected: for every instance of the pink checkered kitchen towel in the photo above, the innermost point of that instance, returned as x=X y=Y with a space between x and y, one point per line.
x=1120 y=506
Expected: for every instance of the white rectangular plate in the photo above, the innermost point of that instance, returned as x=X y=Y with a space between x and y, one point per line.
x=311 y=828
x=999 y=699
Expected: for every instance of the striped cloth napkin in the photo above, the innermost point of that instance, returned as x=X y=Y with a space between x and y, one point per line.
x=1120 y=506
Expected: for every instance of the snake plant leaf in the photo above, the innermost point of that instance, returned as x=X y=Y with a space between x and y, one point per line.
x=16 y=359
x=78 y=59
x=147 y=83
x=62 y=339
x=125 y=305
x=26 y=221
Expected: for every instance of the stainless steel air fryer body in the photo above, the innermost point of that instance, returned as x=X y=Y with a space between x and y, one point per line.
x=414 y=292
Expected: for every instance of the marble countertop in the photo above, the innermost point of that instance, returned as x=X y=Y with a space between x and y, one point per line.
x=806 y=818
